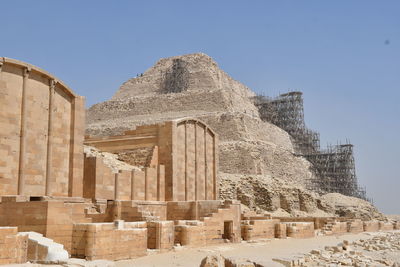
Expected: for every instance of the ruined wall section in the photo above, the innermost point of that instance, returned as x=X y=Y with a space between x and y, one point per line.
x=187 y=148
x=42 y=123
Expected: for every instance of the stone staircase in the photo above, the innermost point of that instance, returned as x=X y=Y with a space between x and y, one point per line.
x=44 y=250
x=127 y=211
x=137 y=213
x=212 y=221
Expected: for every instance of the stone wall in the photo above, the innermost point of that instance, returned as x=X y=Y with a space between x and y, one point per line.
x=41 y=141
x=13 y=247
x=106 y=241
x=281 y=230
x=192 y=210
x=339 y=227
x=190 y=233
x=187 y=148
x=160 y=235
x=371 y=226
x=300 y=230
x=102 y=182
x=258 y=229
x=355 y=226
x=53 y=219
x=386 y=226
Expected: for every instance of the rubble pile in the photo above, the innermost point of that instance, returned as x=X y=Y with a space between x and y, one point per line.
x=282 y=198
x=109 y=159
x=383 y=249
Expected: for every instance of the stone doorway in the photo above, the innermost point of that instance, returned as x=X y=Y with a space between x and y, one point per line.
x=228 y=230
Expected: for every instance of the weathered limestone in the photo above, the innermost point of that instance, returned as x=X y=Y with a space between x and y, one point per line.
x=44 y=250
x=386 y=226
x=380 y=250
x=300 y=230
x=160 y=235
x=281 y=230
x=258 y=229
x=160 y=188
x=355 y=226
x=190 y=233
x=184 y=150
x=334 y=227
x=107 y=241
x=371 y=226
x=42 y=128
x=13 y=247
x=52 y=218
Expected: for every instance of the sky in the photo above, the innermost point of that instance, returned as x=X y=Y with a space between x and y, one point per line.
x=344 y=55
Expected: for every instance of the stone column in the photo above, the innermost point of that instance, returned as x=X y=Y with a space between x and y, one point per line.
x=116 y=187
x=132 y=185
x=195 y=161
x=215 y=170
x=52 y=86
x=186 y=164
x=146 y=185
x=22 y=146
x=205 y=164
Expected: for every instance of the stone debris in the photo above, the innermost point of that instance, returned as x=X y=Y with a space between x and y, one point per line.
x=381 y=250
x=282 y=198
x=220 y=261
x=44 y=250
x=352 y=207
x=213 y=261
x=109 y=159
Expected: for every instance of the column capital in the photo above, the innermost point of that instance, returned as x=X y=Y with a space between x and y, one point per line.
x=52 y=84
x=27 y=70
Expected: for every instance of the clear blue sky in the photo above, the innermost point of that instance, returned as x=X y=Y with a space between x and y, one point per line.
x=343 y=54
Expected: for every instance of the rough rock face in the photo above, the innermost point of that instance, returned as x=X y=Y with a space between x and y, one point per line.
x=109 y=159
x=194 y=72
x=352 y=207
x=276 y=196
x=281 y=198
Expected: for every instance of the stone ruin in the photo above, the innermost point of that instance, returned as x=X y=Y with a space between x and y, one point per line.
x=152 y=170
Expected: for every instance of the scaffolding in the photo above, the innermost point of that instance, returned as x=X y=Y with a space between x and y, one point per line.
x=333 y=166
x=335 y=169
x=287 y=112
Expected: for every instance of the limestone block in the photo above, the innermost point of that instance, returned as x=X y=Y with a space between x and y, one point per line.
x=44 y=250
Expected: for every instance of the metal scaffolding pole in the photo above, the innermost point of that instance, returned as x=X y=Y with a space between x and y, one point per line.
x=333 y=166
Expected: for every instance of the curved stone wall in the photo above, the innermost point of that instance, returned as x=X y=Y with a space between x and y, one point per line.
x=41 y=133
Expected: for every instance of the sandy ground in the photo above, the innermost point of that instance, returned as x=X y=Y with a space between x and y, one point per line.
x=261 y=252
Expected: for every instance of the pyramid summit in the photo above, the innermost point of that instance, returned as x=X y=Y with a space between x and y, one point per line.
x=191 y=72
